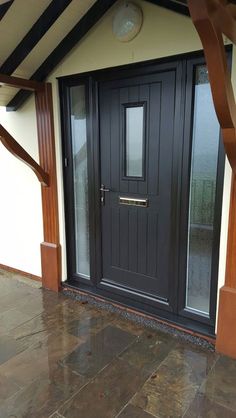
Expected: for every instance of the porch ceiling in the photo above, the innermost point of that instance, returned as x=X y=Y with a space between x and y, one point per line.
x=45 y=31
x=23 y=15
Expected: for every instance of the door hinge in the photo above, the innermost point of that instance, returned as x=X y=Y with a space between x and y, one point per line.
x=66 y=162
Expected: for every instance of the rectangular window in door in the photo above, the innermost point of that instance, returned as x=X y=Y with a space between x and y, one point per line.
x=134 y=141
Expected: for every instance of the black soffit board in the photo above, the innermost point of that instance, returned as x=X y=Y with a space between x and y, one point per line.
x=93 y=15
x=40 y=27
x=4 y=8
x=176 y=6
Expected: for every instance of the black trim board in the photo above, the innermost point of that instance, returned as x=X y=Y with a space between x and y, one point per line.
x=93 y=15
x=178 y=7
x=40 y=27
x=4 y=8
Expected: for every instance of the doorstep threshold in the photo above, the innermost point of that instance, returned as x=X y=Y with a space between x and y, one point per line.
x=200 y=335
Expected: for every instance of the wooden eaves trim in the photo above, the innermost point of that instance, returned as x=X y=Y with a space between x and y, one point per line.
x=212 y=19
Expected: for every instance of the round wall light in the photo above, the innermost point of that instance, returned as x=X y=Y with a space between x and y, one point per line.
x=127 y=22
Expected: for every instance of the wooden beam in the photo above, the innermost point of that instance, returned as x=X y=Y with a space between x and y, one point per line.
x=4 y=8
x=94 y=14
x=16 y=149
x=50 y=248
x=40 y=27
x=31 y=85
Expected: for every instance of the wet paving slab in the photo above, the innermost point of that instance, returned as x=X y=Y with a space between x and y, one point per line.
x=173 y=386
x=132 y=411
x=62 y=358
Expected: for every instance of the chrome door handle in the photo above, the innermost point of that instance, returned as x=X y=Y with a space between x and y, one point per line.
x=103 y=190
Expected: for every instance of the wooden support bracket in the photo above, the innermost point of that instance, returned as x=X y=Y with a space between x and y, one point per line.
x=16 y=149
x=21 y=83
x=212 y=19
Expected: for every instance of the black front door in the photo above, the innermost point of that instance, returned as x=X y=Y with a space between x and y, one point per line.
x=137 y=144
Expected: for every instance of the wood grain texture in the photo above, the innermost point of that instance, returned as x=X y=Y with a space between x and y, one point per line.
x=51 y=266
x=226 y=335
x=50 y=249
x=230 y=277
x=31 y=85
x=18 y=151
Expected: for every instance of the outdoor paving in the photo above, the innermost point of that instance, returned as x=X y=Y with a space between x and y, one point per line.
x=61 y=358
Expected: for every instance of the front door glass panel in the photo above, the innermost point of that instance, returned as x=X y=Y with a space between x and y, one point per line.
x=80 y=181
x=134 y=136
x=205 y=148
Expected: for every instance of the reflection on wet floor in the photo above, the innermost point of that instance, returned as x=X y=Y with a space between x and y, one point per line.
x=60 y=358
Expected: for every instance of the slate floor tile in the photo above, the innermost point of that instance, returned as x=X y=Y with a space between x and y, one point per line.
x=149 y=350
x=107 y=393
x=44 y=324
x=134 y=412
x=127 y=325
x=28 y=365
x=9 y=348
x=13 y=318
x=100 y=349
x=202 y=407
x=171 y=389
x=44 y=395
x=220 y=386
x=61 y=358
x=87 y=324
x=7 y=388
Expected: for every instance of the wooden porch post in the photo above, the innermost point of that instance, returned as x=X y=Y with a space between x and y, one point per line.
x=46 y=173
x=212 y=19
x=50 y=248
x=226 y=331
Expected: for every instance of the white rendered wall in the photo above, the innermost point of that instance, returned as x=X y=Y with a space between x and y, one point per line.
x=20 y=206
x=164 y=33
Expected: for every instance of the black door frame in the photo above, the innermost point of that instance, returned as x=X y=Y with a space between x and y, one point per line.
x=91 y=82
x=185 y=193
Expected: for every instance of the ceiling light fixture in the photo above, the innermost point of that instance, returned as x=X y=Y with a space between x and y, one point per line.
x=127 y=22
